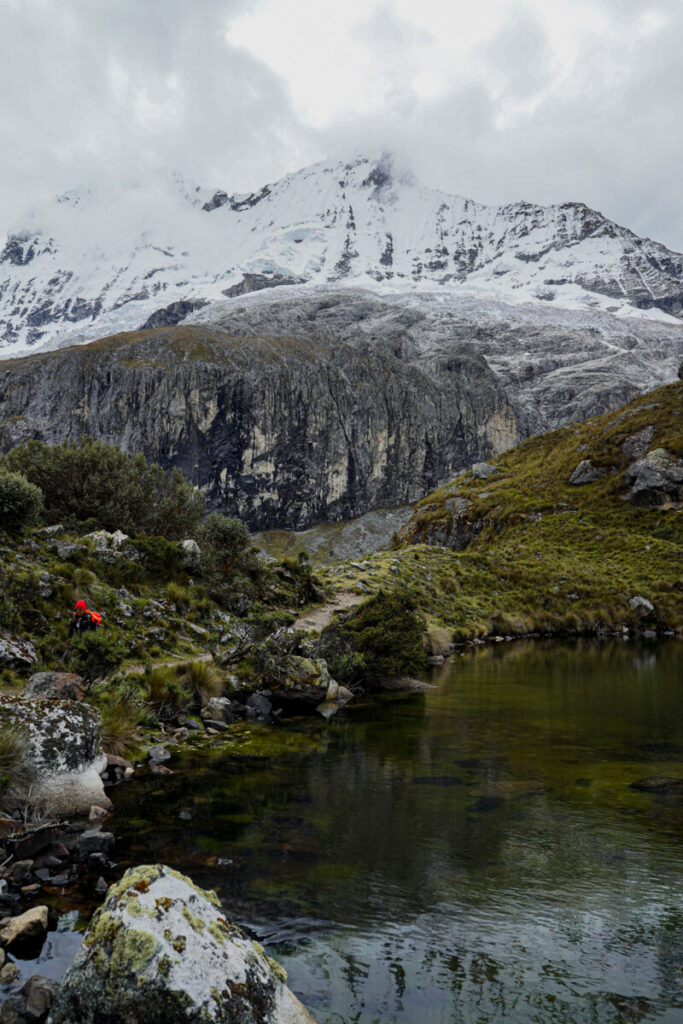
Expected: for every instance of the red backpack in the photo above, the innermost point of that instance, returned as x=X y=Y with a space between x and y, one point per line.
x=96 y=617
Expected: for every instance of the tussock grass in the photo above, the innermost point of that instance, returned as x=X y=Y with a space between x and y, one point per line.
x=120 y=722
x=15 y=766
x=173 y=688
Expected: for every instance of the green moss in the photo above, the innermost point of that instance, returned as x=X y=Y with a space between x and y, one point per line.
x=132 y=951
x=103 y=929
x=194 y=920
x=164 y=966
x=218 y=931
x=277 y=969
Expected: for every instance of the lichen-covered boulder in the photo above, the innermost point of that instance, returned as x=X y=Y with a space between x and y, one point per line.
x=656 y=479
x=56 y=686
x=300 y=679
x=586 y=473
x=66 y=758
x=160 y=950
x=105 y=540
x=16 y=652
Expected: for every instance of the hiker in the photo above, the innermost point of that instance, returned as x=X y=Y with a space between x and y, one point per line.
x=83 y=620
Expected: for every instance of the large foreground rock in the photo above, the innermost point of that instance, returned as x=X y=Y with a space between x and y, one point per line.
x=160 y=951
x=64 y=754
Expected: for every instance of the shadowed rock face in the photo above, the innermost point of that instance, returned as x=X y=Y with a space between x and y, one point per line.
x=283 y=432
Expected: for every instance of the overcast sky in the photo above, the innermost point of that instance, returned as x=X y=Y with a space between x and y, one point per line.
x=499 y=100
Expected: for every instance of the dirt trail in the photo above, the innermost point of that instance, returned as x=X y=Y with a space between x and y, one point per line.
x=318 y=618
x=205 y=656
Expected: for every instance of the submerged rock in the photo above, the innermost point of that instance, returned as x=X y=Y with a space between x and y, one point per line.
x=64 y=741
x=31 y=1004
x=160 y=950
x=660 y=784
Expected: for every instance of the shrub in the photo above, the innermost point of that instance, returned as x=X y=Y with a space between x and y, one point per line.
x=21 y=502
x=298 y=572
x=387 y=632
x=161 y=559
x=229 y=563
x=265 y=621
x=96 y=654
x=202 y=678
x=18 y=587
x=179 y=595
x=99 y=482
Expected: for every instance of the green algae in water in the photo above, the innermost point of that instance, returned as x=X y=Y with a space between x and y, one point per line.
x=472 y=854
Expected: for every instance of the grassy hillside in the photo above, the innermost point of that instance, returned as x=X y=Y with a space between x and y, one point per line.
x=525 y=551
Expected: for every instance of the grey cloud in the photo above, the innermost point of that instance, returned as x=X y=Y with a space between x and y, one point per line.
x=609 y=137
x=109 y=88
x=521 y=53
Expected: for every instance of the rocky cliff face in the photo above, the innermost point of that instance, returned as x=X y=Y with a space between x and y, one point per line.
x=292 y=408
x=555 y=365
x=281 y=431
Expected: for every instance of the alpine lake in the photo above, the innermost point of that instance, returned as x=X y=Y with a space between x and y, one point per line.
x=473 y=854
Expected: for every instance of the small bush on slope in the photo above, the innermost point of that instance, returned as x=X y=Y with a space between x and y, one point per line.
x=386 y=632
x=95 y=481
x=21 y=502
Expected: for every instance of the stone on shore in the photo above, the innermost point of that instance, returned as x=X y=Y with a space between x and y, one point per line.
x=28 y=927
x=160 y=950
x=64 y=741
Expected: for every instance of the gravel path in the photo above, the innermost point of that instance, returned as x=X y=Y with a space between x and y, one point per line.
x=318 y=618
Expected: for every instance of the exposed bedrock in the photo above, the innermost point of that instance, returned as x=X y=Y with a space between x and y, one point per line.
x=282 y=432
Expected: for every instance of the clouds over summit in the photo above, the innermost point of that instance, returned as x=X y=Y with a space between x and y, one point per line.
x=579 y=99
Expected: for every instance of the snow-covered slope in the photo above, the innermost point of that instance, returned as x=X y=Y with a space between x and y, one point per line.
x=102 y=260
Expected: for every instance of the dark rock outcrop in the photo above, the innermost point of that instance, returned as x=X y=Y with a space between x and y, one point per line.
x=172 y=314
x=257 y=282
x=586 y=473
x=656 y=479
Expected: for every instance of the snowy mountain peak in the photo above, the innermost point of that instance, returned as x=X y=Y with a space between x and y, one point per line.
x=109 y=256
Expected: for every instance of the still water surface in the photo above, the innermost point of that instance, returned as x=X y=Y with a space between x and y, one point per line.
x=467 y=856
